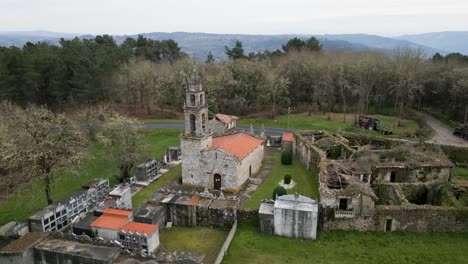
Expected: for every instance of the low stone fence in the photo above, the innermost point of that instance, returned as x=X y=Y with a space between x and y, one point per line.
x=226 y=244
x=422 y=218
x=248 y=215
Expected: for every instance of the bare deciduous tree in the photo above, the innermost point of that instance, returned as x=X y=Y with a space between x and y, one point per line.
x=36 y=144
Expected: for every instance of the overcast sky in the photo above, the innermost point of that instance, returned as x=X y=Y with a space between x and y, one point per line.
x=383 y=17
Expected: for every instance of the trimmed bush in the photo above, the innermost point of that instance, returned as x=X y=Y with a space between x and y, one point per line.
x=287 y=179
x=278 y=191
x=286 y=157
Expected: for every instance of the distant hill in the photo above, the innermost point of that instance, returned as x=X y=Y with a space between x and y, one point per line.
x=199 y=44
x=450 y=41
x=19 y=38
x=383 y=43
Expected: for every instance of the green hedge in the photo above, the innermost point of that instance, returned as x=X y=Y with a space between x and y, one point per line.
x=286 y=157
x=278 y=191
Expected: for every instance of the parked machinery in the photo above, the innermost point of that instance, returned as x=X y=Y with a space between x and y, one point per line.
x=461 y=131
x=372 y=123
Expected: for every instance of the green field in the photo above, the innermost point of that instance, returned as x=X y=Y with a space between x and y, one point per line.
x=26 y=202
x=306 y=182
x=200 y=240
x=460 y=172
x=406 y=129
x=250 y=246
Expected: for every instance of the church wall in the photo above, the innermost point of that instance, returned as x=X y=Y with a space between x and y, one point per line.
x=217 y=127
x=219 y=162
x=254 y=159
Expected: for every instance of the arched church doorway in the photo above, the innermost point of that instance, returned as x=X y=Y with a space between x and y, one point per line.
x=217 y=181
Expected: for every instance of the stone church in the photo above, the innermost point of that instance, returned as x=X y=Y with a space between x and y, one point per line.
x=225 y=162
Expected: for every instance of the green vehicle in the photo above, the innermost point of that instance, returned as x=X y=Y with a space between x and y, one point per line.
x=372 y=123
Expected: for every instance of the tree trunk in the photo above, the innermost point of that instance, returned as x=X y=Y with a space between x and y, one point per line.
x=47 y=190
x=344 y=105
x=273 y=110
x=466 y=114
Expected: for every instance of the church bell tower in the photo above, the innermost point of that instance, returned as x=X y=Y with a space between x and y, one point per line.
x=197 y=136
x=195 y=108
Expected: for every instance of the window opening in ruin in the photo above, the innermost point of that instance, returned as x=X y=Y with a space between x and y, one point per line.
x=250 y=171
x=343 y=204
x=393 y=176
x=365 y=178
x=388 y=225
x=201 y=99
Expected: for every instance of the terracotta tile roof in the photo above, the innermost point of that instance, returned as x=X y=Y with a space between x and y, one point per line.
x=288 y=137
x=140 y=228
x=23 y=243
x=194 y=200
x=112 y=219
x=117 y=212
x=225 y=118
x=239 y=145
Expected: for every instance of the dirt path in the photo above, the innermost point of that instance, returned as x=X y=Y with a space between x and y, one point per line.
x=442 y=134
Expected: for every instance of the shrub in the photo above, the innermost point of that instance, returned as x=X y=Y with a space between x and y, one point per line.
x=278 y=191
x=286 y=157
x=287 y=179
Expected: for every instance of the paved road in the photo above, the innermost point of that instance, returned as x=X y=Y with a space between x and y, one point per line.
x=180 y=125
x=442 y=134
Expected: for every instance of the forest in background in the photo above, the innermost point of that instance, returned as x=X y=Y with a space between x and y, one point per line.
x=142 y=73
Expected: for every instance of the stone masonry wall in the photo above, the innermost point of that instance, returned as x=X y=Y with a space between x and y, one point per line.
x=253 y=160
x=422 y=218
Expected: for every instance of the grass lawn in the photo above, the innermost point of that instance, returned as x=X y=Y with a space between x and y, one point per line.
x=157 y=141
x=306 y=182
x=161 y=120
x=141 y=197
x=250 y=246
x=200 y=240
x=25 y=203
x=460 y=172
x=321 y=122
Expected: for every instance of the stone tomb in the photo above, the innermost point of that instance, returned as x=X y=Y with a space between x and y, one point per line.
x=292 y=216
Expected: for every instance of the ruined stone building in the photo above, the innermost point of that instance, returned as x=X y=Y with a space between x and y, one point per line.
x=381 y=187
x=224 y=162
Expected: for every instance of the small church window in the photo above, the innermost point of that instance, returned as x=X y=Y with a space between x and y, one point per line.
x=191 y=176
x=201 y=99
x=203 y=120
x=216 y=155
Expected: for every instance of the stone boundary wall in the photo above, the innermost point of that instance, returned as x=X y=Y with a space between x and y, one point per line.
x=422 y=218
x=226 y=244
x=245 y=216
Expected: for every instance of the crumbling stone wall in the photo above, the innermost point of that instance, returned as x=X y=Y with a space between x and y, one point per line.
x=390 y=194
x=247 y=215
x=308 y=154
x=423 y=218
